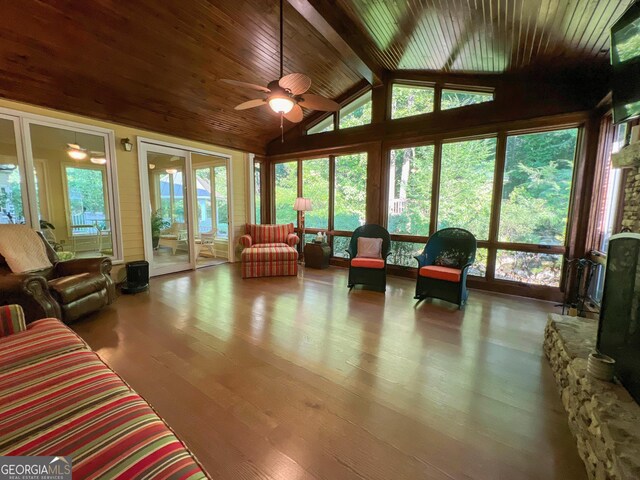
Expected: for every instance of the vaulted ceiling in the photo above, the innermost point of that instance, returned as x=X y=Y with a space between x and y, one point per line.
x=157 y=65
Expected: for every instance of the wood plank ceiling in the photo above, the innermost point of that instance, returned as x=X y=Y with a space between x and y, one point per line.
x=484 y=35
x=157 y=65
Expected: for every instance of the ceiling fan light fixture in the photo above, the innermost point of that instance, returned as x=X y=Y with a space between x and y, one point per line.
x=171 y=171
x=98 y=160
x=76 y=152
x=281 y=104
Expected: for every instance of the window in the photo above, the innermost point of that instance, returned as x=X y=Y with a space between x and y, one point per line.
x=286 y=192
x=614 y=185
x=73 y=198
x=322 y=126
x=11 y=207
x=410 y=184
x=529 y=267
x=479 y=267
x=340 y=245
x=466 y=185
x=222 y=209
x=461 y=98
x=315 y=185
x=257 y=192
x=537 y=187
x=407 y=101
x=357 y=112
x=350 y=186
x=402 y=253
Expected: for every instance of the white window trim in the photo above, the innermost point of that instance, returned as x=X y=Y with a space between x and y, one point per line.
x=27 y=162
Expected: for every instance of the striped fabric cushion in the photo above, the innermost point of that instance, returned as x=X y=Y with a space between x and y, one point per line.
x=11 y=320
x=42 y=339
x=278 y=253
x=118 y=438
x=269 y=233
x=36 y=396
x=269 y=269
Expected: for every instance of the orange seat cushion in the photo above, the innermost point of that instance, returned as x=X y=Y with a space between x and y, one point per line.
x=367 y=262
x=441 y=273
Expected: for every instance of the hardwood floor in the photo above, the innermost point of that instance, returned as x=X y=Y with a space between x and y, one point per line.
x=295 y=378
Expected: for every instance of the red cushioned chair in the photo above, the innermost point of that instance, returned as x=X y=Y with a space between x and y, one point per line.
x=369 y=271
x=269 y=251
x=443 y=266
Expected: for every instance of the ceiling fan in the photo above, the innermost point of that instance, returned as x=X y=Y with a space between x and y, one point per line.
x=288 y=94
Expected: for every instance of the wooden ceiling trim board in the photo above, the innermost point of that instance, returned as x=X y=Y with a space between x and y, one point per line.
x=320 y=14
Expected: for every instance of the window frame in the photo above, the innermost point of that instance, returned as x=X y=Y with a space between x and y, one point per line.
x=492 y=245
x=465 y=89
x=26 y=162
x=413 y=84
x=351 y=106
x=65 y=189
x=332 y=164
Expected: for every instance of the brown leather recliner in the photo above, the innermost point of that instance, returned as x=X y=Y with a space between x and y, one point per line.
x=68 y=290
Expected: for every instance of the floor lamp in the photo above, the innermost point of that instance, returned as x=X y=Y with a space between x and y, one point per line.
x=302 y=205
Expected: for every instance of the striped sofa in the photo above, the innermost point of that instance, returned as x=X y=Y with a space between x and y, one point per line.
x=269 y=251
x=57 y=398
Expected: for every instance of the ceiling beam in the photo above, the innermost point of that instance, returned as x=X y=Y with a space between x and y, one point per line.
x=342 y=34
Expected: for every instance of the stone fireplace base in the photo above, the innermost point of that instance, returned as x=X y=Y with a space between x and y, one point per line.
x=603 y=417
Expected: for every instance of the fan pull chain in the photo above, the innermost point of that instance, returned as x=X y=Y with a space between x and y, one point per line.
x=282 y=127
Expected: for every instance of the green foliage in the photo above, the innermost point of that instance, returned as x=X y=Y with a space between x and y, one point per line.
x=315 y=185
x=286 y=191
x=11 y=197
x=361 y=115
x=458 y=98
x=350 y=191
x=407 y=101
x=158 y=224
x=537 y=187
x=86 y=190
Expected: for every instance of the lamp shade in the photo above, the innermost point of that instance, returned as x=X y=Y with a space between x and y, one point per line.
x=302 y=204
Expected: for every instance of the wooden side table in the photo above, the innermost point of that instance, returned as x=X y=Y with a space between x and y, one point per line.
x=316 y=255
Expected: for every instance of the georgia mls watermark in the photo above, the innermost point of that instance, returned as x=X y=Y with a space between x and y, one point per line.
x=35 y=468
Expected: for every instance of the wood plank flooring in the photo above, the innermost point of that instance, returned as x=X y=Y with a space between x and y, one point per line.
x=295 y=378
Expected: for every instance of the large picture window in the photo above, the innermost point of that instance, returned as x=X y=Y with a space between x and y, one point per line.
x=350 y=191
x=537 y=187
x=410 y=184
x=73 y=166
x=315 y=185
x=466 y=185
x=286 y=191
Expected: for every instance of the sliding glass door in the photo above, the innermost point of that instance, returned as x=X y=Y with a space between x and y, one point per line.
x=168 y=227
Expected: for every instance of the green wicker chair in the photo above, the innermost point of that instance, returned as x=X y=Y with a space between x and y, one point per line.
x=371 y=273
x=443 y=266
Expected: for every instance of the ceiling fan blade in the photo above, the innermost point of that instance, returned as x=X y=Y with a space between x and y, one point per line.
x=245 y=85
x=296 y=83
x=251 y=104
x=295 y=115
x=318 y=102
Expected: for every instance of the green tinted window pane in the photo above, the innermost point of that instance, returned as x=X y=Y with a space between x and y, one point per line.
x=315 y=186
x=286 y=192
x=529 y=267
x=479 y=267
x=537 y=187
x=222 y=209
x=357 y=112
x=466 y=185
x=458 y=98
x=85 y=191
x=257 y=190
x=350 y=205
x=340 y=245
x=402 y=253
x=407 y=101
x=325 y=125
x=410 y=176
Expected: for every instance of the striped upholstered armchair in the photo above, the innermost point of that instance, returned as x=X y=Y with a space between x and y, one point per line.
x=269 y=251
